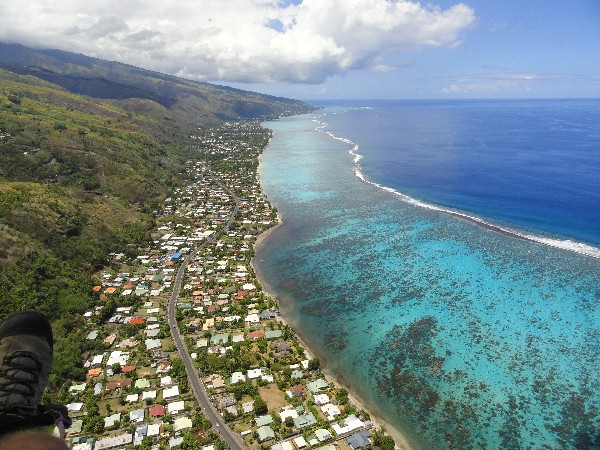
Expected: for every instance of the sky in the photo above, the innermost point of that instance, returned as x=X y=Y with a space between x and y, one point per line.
x=333 y=49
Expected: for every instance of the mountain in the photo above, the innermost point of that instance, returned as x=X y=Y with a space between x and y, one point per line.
x=133 y=89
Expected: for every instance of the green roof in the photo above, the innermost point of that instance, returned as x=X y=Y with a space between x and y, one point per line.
x=316 y=386
x=273 y=334
x=265 y=433
x=264 y=420
x=308 y=420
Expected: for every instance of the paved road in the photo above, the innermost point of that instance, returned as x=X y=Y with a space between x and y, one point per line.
x=233 y=439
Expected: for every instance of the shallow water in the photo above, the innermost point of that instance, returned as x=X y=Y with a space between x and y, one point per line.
x=458 y=336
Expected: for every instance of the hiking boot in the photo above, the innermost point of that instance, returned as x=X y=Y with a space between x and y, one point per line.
x=25 y=359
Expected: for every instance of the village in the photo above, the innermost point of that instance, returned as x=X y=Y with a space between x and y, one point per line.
x=259 y=378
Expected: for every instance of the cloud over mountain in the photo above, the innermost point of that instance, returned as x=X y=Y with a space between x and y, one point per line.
x=236 y=40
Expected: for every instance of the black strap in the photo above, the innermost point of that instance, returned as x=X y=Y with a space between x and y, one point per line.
x=48 y=415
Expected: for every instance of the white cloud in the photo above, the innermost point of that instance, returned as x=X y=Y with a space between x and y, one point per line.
x=236 y=40
x=495 y=83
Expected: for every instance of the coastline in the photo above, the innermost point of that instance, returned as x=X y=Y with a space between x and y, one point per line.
x=400 y=441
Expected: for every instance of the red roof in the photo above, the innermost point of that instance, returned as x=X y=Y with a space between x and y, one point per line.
x=297 y=390
x=157 y=410
x=118 y=384
x=126 y=369
x=136 y=321
x=256 y=335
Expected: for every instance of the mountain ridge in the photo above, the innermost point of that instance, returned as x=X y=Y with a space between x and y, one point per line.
x=191 y=102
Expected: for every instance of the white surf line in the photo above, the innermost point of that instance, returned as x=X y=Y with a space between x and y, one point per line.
x=563 y=244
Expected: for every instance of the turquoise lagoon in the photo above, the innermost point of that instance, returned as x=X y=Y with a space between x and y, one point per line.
x=456 y=335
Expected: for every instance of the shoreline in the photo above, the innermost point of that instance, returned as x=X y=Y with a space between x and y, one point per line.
x=400 y=440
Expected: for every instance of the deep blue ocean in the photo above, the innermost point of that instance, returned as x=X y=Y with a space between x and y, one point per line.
x=478 y=333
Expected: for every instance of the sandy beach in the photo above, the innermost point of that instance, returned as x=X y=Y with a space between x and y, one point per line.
x=399 y=439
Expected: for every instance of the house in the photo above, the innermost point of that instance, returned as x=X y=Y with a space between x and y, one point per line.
x=153 y=430
x=142 y=383
x=330 y=411
x=113 y=420
x=114 y=441
x=323 y=435
x=92 y=335
x=128 y=369
x=288 y=413
x=119 y=384
x=248 y=407
x=97 y=360
x=156 y=411
x=253 y=335
x=166 y=380
x=321 y=399
x=117 y=357
x=358 y=440
x=148 y=394
x=351 y=423
x=317 y=386
x=265 y=315
x=132 y=398
x=140 y=433
x=273 y=334
x=304 y=421
x=220 y=339
x=175 y=441
x=75 y=428
x=75 y=407
x=77 y=388
x=182 y=423
x=285 y=445
x=254 y=373
x=176 y=407
x=296 y=391
x=152 y=344
x=209 y=323
x=163 y=367
x=265 y=433
x=261 y=421
x=215 y=381
x=94 y=372
x=252 y=318
x=136 y=416
x=300 y=442
x=137 y=320
x=173 y=391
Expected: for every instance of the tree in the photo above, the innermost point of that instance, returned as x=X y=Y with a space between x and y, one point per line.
x=94 y=424
x=314 y=364
x=383 y=441
x=342 y=396
x=260 y=407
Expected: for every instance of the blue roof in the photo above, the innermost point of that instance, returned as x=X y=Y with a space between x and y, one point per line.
x=176 y=255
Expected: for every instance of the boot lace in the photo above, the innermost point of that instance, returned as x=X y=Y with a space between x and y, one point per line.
x=18 y=378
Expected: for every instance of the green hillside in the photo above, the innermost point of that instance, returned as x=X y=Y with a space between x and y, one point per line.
x=88 y=149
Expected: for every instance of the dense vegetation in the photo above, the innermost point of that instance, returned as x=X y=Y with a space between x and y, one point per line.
x=80 y=176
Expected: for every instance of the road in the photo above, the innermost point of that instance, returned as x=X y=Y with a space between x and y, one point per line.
x=233 y=439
